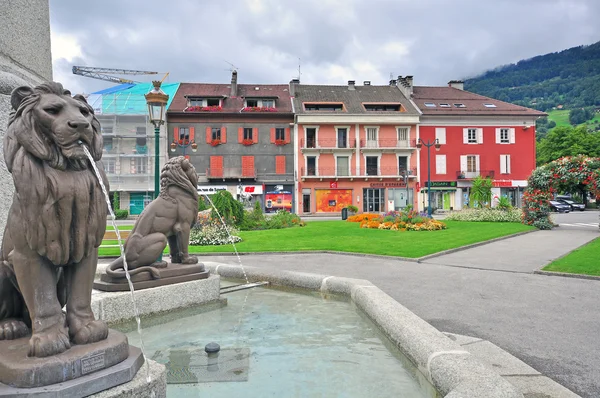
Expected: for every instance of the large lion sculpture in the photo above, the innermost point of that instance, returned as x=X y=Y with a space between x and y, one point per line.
x=166 y=220
x=55 y=223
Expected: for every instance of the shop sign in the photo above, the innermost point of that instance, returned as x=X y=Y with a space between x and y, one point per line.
x=333 y=184
x=502 y=183
x=388 y=184
x=442 y=184
x=250 y=189
x=210 y=189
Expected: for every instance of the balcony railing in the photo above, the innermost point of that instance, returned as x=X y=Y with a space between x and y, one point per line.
x=327 y=144
x=231 y=172
x=351 y=172
x=387 y=143
x=469 y=175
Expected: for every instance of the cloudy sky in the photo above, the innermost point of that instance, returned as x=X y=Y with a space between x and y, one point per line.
x=335 y=40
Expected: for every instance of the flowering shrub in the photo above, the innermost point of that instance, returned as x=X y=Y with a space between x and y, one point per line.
x=256 y=220
x=259 y=109
x=362 y=217
x=196 y=108
x=486 y=214
x=207 y=232
x=577 y=173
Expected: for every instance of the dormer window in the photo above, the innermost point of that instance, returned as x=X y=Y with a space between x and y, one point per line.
x=383 y=107
x=204 y=102
x=259 y=103
x=324 y=106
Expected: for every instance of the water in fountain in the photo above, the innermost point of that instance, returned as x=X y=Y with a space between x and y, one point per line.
x=125 y=267
x=230 y=237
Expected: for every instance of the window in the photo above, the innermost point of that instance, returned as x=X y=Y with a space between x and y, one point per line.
x=459 y=105
x=196 y=102
x=504 y=164
x=204 y=102
x=471 y=163
x=107 y=130
x=108 y=143
x=311 y=137
x=440 y=164
x=504 y=136
x=472 y=136
x=402 y=164
x=213 y=102
x=215 y=133
x=251 y=102
x=324 y=106
x=342 y=164
x=140 y=165
x=311 y=166
x=371 y=137
x=489 y=105
x=280 y=134
x=440 y=134
x=383 y=107
x=268 y=103
x=445 y=105
x=429 y=104
x=372 y=165
x=247 y=133
x=184 y=134
x=109 y=166
x=342 y=137
x=402 y=133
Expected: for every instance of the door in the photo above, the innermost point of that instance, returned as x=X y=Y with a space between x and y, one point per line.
x=311 y=166
x=446 y=200
x=306 y=203
x=311 y=138
x=371 y=137
x=137 y=202
x=373 y=200
x=342 y=138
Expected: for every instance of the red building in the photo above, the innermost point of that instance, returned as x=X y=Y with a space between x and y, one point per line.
x=478 y=136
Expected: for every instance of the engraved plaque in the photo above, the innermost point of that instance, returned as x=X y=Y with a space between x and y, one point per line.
x=92 y=364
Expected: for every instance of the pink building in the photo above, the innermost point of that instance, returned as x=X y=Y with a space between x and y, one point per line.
x=354 y=145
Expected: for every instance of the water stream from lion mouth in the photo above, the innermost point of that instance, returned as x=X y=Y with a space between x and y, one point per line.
x=125 y=267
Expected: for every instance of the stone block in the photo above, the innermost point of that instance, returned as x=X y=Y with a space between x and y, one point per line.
x=139 y=386
x=345 y=286
x=117 y=307
x=539 y=387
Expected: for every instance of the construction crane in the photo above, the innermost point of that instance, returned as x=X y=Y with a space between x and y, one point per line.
x=105 y=74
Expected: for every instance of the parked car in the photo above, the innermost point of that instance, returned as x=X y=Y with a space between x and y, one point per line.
x=559 y=206
x=574 y=205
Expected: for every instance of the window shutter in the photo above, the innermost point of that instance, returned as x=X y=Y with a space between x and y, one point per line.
x=480 y=136
x=463 y=163
x=280 y=164
x=216 y=166
x=440 y=164
x=503 y=164
x=440 y=135
x=191 y=134
x=255 y=135
x=240 y=134
x=498 y=136
x=512 y=136
x=176 y=134
x=223 y=135
x=272 y=135
x=477 y=163
x=465 y=136
x=508 y=164
x=287 y=136
x=208 y=135
x=248 y=166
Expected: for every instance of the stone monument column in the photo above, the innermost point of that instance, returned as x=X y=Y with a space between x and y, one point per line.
x=25 y=59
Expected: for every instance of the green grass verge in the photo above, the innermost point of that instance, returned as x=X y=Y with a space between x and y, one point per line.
x=349 y=237
x=109 y=227
x=580 y=261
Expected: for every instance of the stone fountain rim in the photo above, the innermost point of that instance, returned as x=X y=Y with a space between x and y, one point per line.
x=451 y=370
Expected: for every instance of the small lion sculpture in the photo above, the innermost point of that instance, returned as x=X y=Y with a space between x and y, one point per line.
x=166 y=220
x=55 y=223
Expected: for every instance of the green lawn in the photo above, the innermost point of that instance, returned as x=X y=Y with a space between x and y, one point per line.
x=580 y=261
x=109 y=227
x=349 y=237
x=560 y=117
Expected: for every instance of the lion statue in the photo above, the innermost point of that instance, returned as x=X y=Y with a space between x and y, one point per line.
x=166 y=220
x=55 y=223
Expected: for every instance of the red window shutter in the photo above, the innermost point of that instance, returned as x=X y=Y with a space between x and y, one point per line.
x=216 y=166
x=247 y=166
x=240 y=134
x=176 y=134
x=287 y=136
x=280 y=164
x=208 y=135
x=272 y=135
x=223 y=135
x=255 y=135
x=191 y=134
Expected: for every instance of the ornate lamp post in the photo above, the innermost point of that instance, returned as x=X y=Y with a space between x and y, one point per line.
x=184 y=143
x=428 y=145
x=157 y=102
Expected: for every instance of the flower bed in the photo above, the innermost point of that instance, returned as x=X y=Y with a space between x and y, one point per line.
x=398 y=221
x=259 y=109
x=208 y=231
x=486 y=214
x=196 y=108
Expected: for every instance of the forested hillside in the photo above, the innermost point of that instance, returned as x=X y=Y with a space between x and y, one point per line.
x=570 y=78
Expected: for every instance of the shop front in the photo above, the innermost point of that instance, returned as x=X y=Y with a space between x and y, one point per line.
x=445 y=195
x=279 y=197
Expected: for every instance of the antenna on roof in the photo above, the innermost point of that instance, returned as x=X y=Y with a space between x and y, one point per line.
x=299 y=73
x=391 y=75
x=233 y=67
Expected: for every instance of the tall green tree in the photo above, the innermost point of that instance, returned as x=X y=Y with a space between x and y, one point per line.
x=568 y=141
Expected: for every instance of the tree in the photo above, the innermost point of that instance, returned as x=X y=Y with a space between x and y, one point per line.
x=567 y=141
x=481 y=191
x=227 y=207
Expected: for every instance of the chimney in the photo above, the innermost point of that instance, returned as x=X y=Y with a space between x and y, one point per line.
x=351 y=84
x=392 y=82
x=458 y=84
x=293 y=86
x=233 y=93
x=405 y=84
x=367 y=83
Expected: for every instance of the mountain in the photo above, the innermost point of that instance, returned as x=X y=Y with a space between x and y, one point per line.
x=570 y=78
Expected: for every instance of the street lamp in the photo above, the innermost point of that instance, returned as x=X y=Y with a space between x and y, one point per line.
x=157 y=102
x=428 y=145
x=184 y=143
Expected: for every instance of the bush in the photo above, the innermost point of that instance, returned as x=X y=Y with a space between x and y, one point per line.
x=202 y=205
x=227 y=207
x=481 y=191
x=283 y=219
x=121 y=214
x=490 y=215
x=352 y=209
x=254 y=219
x=504 y=203
x=208 y=232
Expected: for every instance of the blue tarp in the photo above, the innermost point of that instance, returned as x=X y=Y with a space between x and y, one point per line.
x=127 y=99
